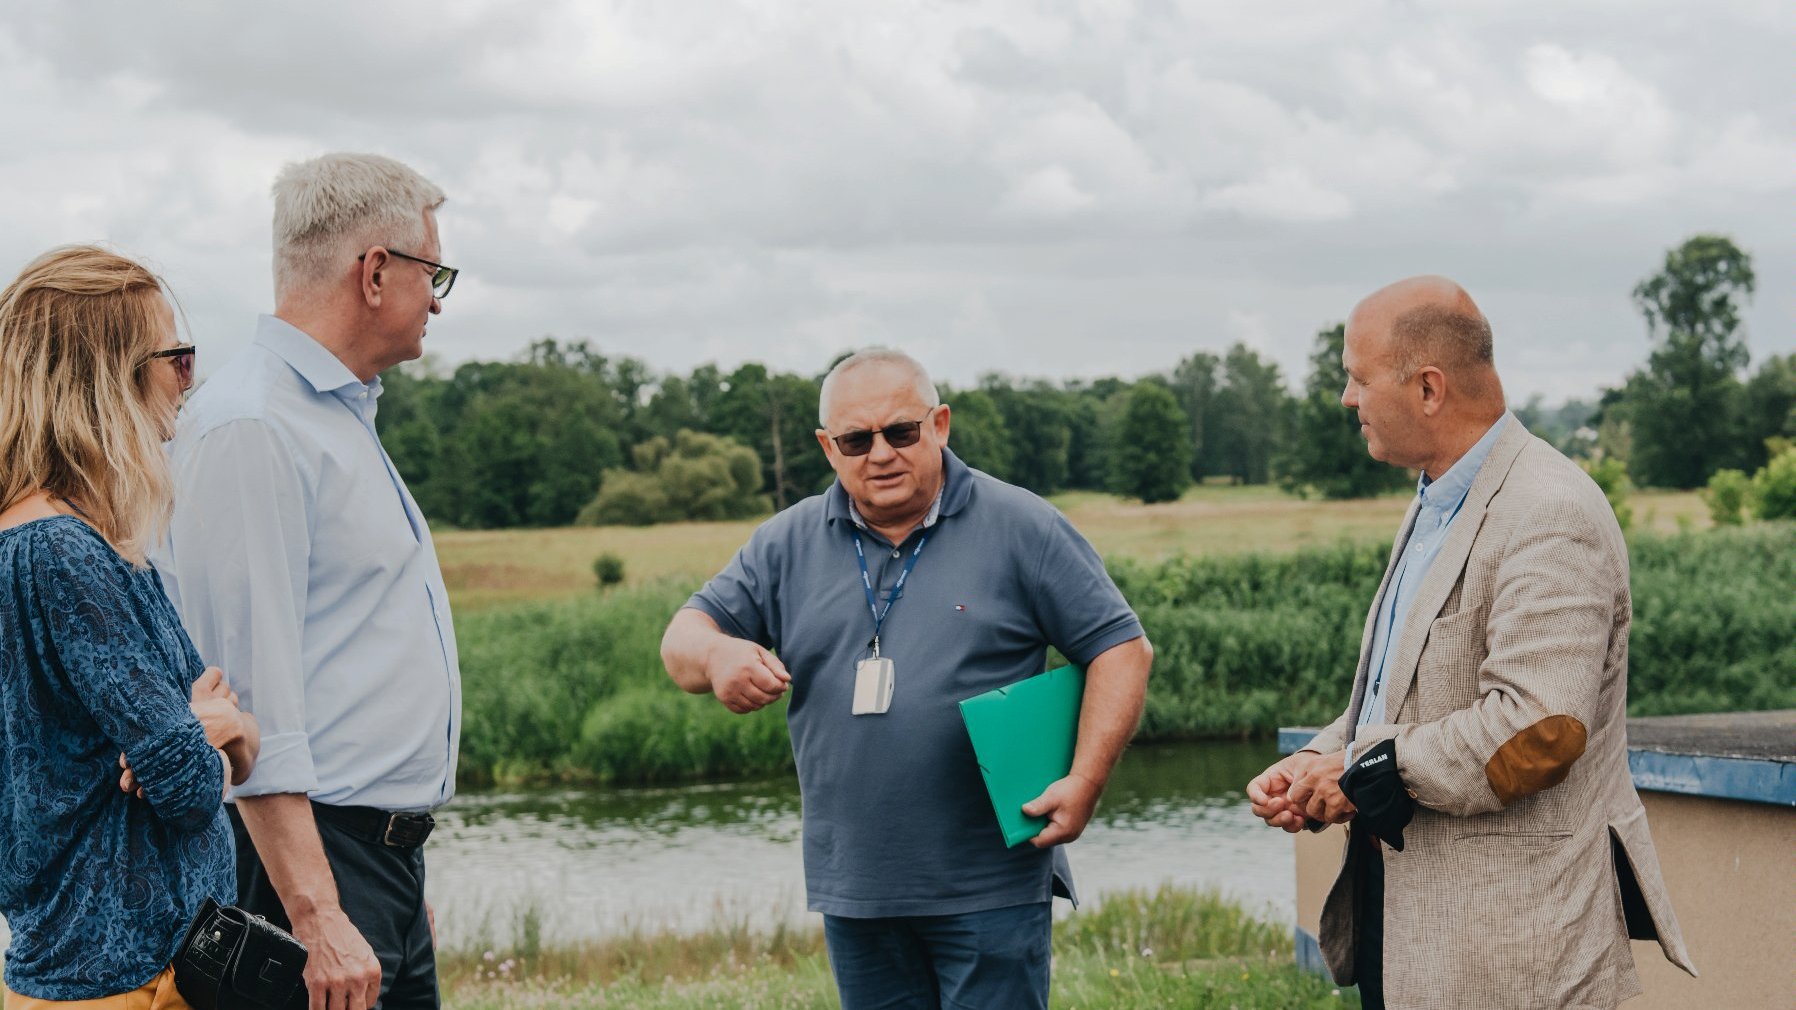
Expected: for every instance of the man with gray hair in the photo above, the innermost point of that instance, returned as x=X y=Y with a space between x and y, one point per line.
x=299 y=561
x=923 y=904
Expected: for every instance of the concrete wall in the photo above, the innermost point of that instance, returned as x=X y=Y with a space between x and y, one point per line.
x=1731 y=869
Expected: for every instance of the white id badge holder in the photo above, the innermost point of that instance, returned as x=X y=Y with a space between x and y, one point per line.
x=873 y=682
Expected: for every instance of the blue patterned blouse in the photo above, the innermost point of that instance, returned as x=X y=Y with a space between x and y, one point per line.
x=98 y=886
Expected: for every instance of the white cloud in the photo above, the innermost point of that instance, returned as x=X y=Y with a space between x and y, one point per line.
x=1051 y=188
x=1283 y=194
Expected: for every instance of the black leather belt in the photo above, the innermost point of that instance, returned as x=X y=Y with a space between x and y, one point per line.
x=394 y=830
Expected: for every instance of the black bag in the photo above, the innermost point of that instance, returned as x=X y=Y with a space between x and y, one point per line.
x=1384 y=807
x=233 y=960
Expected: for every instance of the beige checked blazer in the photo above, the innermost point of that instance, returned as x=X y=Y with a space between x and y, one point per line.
x=1507 y=699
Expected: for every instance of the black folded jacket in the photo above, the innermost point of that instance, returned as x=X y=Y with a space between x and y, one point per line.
x=1384 y=806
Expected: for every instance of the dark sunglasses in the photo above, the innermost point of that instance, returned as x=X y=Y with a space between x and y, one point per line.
x=183 y=357
x=442 y=278
x=898 y=436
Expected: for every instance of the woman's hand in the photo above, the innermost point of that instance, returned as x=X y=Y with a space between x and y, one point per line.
x=227 y=727
x=211 y=684
x=127 y=782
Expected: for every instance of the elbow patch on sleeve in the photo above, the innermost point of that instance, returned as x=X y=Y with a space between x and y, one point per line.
x=1537 y=758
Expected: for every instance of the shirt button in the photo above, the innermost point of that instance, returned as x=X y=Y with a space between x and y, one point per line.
x=894 y=552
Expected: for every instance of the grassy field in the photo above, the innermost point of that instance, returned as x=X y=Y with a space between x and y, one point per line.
x=490 y=568
x=1172 y=948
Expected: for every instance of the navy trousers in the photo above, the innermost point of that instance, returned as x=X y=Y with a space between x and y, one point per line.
x=973 y=961
x=381 y=889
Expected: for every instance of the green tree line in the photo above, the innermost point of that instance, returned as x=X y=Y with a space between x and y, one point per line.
x=566 y=433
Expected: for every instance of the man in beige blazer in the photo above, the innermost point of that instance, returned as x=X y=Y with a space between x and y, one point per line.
x=1499 y=856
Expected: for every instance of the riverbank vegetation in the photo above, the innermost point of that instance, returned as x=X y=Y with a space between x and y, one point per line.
x=574 y=690
x=1172 y=948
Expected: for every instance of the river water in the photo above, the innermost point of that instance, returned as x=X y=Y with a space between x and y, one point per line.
x=575 y=864
x=579 y=864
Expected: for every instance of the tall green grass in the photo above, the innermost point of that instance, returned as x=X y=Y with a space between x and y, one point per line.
x=1171 y=948
x=1714 y=621
x=575 y=690
x=1244 y=644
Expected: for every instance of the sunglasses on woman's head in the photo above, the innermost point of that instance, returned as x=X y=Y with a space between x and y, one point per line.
x=898 y=436
x=182 y=357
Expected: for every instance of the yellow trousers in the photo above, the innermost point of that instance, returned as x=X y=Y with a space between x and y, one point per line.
x=156 y=994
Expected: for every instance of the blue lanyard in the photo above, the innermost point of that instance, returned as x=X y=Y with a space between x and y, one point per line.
x=879 y=616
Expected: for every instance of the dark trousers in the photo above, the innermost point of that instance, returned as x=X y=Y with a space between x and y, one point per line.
x=380 y=888
x=1368 y=955
x=970 y=961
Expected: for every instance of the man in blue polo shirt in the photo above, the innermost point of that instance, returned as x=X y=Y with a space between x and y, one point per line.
x=950 y=583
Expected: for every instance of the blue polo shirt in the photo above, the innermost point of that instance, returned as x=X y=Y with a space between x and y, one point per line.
x=896 y=817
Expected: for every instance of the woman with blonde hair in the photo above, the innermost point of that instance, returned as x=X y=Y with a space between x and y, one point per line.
x=115 y=741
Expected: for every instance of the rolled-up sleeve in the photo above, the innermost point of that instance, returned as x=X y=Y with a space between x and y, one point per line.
x=237 y=559
x=107 y=660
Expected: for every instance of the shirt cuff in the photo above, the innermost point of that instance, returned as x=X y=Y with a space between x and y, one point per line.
x=726 y=622
x=181 y=775
x=1126 y=629
x=284 y=765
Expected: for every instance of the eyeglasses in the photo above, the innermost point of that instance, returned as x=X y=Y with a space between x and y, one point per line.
x=898 y=436
x=442 y=278
x=183 y=357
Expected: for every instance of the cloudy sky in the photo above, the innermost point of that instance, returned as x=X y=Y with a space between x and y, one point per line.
x=1045 y=189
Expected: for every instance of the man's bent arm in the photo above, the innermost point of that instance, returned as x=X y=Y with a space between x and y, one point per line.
x=688 y=641
x=1115 y=691
x=702 y=659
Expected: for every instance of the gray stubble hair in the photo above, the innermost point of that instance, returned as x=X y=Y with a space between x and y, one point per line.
x=330 y=208
x=918 y=375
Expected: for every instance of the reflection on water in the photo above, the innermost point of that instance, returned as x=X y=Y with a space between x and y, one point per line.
x=596 y=862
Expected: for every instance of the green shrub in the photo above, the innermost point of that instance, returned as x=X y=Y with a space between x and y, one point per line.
x=1726 y=496
x=531 y=674
x=1774 y=488
x=1611 y=474
x=695 y=476
x=608 y=569
x=1712 y=620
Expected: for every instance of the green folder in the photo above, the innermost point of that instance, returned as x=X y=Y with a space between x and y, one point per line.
x=1023 y=737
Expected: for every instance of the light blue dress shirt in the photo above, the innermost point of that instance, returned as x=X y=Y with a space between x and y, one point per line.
x=302 y=567
x=1440 y=505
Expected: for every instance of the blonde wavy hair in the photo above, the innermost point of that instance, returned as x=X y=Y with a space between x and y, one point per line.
x=77 y=328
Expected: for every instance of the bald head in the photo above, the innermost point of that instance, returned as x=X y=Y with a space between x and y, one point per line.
x=902 y=370
x=1431 y=320
x=1419 y=373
